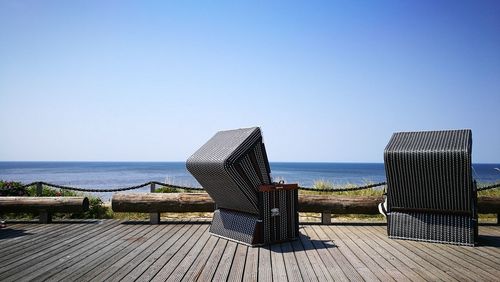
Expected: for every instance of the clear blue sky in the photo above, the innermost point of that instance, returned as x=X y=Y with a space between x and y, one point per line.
x=326 y=80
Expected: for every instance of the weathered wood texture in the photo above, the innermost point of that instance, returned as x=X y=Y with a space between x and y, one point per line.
x=111 y=250
x=201 y=202
x=48 y=204
x=339 y=204
x=162 y=202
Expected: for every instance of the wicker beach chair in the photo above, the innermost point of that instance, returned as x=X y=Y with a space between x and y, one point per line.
x=233 y=168
x=431 y=195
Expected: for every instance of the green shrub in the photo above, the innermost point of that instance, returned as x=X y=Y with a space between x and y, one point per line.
x=11 y=188
x=167 y=189
x=52 y=192
x=97 y=210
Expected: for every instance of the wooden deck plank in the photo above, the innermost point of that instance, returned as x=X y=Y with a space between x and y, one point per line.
x=238 y=266
x=224 y=267
x=489 y=240
x=47 y=234
x=278 y=263
x=476 y=254
x=37 y=243
x=360 y=253
x=364 y=250
x=490 y=230
x=189 y=259
x=338 y=257
x=398 y=260
x=79 y=265
x=448 y=253
x=369 y=248
x=126 y=263
x=139 y=268
x=167 y=253
x=469 y=264
x=419 y=265
x=331 y=267
x=168 y=268
x=78 y=252
x=28 y=235
x=317 y=265
x=251 y=265
x=291 y=264
x=305 y=266
x=27 y=225
x=350 y=256
x=120 y=257
x=265 y=265
x=196 y=267
x=114 y=250
x=490 y=245
x=53 y=253
x=403 y=247
x=21 y=232
x=213 y=261
x=431 y=253
x=438 y=261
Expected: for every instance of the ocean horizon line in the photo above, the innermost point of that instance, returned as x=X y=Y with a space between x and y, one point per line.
x=276 y=162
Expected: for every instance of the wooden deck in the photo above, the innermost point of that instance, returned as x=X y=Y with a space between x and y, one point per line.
x=112 y=250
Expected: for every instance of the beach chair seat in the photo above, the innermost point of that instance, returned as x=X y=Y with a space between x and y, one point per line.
x=431 y=195
x=234 y=170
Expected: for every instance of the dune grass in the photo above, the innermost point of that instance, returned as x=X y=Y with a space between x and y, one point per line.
x=327 y=185
x=490 y=193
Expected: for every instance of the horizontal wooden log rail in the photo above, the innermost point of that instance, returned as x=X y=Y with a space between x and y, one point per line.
x=45 y=206
x=155 y=203
x=162 y=202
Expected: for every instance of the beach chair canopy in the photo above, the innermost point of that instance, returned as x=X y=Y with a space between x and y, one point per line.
x=430 y=171
x=231 y=166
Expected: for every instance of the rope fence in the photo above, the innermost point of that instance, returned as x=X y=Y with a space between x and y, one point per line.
x=343 y=189
x=85 y=189
x=187 y=188
x=493 y=186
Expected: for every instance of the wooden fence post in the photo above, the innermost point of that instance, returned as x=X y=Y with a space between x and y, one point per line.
x=326 y=218
x=39 y=189
x=154 y=217
x=43 y=215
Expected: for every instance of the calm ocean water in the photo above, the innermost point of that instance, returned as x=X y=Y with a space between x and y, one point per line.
x=102 y=175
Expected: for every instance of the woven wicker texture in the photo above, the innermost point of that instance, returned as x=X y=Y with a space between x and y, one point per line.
x=231 y=166
x=430 y=170
x=428 y=227
x=283 y=224
x=237 y=226
x=431 y=195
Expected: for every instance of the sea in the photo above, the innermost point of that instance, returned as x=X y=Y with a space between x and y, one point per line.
x=108 y=175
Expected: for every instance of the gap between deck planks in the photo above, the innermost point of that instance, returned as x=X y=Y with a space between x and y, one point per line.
x=111 y=250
